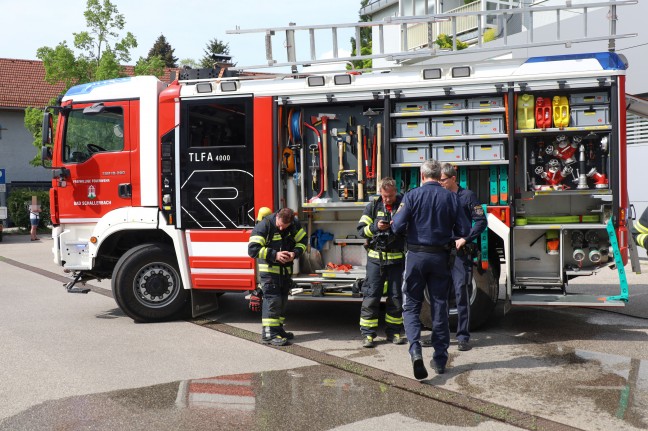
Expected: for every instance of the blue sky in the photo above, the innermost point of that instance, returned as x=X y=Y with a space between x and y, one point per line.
x=187 y=25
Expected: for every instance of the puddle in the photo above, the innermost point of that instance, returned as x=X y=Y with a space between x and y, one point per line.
x=307 y=398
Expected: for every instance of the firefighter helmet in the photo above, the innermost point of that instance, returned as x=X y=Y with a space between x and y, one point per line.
x=263 y=212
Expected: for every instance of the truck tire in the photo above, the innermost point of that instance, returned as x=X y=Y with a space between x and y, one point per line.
x=146 y=283
x=483 y=298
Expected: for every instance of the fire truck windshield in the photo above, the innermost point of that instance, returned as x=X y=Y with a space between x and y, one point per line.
x=89 y=134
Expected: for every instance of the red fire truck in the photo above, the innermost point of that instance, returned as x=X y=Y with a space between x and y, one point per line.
x=157 y=185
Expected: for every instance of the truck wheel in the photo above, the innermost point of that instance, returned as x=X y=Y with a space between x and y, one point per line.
x=146 y=283
x=483 y=297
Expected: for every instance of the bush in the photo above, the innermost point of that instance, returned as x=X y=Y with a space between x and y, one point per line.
x=18 y=207
x=489 y=35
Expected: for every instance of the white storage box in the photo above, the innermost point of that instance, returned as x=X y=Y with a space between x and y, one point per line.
x=485 y=125
x=411 y=106
x=596 y=97
x=412 y=153
x=589 y=115
x=448 y=126
x=411 y=128
x=447 y=105
x=455 y=152
x=485 y=102
x=486 y=150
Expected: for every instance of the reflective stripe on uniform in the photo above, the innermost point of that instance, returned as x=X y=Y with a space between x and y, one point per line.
x=642 y=240
x=640 y=228
x=386 y=256
x=270 y=322
x=258 y=239
x=264 y=267
x=276 y=237
x=301 y=246
x=299 y=235
x=263 y=253
x=366 y=220
x=369 y=323
x=393 y=320
x=367 y=231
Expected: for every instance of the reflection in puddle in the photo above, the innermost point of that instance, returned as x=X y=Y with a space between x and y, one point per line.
x=308 y=398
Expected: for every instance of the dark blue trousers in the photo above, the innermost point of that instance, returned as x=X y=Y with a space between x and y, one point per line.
x=462 y=285
x=427 y=271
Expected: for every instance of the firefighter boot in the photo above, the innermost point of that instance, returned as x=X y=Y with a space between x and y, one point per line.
x=368 y=341
x=273 y=338
x=396 y=339
x=285 y=334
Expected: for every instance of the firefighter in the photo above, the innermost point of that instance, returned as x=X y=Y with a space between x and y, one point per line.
x=385 y=263
x=640 y=230
x=276 y=241
x=430 y=217
x=461 y=272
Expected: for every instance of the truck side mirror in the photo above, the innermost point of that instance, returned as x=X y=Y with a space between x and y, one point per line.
x=46 y=152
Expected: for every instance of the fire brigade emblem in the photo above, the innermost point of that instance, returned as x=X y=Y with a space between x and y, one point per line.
x=479 y=210
x=91 y=192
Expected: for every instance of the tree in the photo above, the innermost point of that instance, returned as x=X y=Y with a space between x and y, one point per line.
x=365 y=42
x=214 y=48
x=101 y=49
x=161 y=48
x=100 y=53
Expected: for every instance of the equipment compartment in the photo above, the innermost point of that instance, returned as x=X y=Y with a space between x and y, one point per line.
x=597 y=115
x=455 y=152
x=485 y=102
x=411 y=106
x=482 y=125
x=589 y=98
x=411 y=128
x=412 y=153
x=447 y=105
x=448 y=126
x=486 y=150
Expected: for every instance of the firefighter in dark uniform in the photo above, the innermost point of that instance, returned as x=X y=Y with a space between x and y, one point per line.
x=640 y=230
x=385 y=263
x=276 y=242
x=430 y=217
x=461 y=272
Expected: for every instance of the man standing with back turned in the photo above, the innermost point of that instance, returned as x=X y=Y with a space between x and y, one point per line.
x=431 y=217
x=461 y=272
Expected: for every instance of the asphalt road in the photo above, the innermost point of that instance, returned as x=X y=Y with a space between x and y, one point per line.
x=76 y=362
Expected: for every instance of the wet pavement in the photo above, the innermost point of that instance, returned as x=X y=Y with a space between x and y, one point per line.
x=535 y=368
x=307 y=398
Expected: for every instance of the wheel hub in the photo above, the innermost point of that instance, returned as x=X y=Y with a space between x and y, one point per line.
x=155 y=283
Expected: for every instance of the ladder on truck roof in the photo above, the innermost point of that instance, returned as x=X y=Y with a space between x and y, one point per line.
x=480 y=17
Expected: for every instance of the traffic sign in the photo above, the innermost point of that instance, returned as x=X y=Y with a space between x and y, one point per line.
x=2 y=176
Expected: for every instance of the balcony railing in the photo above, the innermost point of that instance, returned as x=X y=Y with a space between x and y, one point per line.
x=418 y=35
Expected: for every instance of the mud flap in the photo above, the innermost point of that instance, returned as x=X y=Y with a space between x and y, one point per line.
x=203 y=302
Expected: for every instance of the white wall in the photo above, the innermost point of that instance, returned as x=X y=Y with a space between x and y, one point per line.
x=16 y=150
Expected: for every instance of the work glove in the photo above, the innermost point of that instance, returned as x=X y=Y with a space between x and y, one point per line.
x=256 y=300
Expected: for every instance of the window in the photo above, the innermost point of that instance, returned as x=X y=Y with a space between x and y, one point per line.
x=217 y=125
x=87 y=134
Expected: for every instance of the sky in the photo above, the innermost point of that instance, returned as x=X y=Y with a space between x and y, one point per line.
x=186 y=24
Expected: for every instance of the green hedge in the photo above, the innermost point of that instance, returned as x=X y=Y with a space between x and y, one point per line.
x=18 y=207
